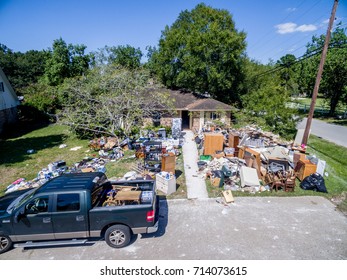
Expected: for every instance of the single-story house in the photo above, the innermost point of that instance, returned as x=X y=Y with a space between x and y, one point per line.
x=8 y=102
x=195 y=110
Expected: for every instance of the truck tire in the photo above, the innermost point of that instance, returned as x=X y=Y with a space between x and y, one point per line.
x=117 y=236
x=5 y=243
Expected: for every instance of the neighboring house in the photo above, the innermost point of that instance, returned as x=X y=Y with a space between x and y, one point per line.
x=8 y=102
x=196 y=110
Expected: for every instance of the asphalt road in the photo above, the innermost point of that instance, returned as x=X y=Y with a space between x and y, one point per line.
x=331 y=132
x=252 y=228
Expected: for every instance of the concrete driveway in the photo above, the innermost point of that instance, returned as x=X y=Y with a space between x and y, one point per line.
x=252 y=228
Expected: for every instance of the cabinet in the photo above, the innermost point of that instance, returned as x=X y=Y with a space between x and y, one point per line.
x=165 y=183
x=233 y=141
x=168 y=163
x=213 y=142
x=152 y=155
x=304 y=168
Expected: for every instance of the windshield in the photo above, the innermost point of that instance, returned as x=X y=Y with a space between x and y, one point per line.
x=20 y=200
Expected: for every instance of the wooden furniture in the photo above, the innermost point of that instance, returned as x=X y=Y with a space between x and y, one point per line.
x=124 y=197
x=252 y=159
x=298 y=156
x=289 y=184
x=234 y=142
x=274 y=181
x=168 y=163
x=304 y=168
x=213 y=142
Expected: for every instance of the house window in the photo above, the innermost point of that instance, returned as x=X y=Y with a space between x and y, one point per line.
x=2 y=89
x=215 y=116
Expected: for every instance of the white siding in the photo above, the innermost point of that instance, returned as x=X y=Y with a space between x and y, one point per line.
x=6 y=98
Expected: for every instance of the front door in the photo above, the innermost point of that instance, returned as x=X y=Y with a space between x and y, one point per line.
x=185 y=119
x=35 y=222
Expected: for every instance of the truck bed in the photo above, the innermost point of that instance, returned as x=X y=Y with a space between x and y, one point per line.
x=121 y=193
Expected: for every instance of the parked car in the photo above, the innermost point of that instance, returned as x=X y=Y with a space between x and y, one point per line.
x=72 y=208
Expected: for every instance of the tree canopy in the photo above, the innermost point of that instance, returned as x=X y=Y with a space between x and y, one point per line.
x=201 y=52
x=125 y=56
x=22 y=69
x=65 y=61
x=110 y=100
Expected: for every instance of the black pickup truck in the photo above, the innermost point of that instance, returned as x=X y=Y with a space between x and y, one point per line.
x=72 y=208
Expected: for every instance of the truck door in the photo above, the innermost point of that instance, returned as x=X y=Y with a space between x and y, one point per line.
x=34 y=222
x=69 y=216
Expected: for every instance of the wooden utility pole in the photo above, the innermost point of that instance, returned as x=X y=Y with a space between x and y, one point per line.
x=319 y=75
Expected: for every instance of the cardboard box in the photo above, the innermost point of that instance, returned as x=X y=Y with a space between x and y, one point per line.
x=228 y=196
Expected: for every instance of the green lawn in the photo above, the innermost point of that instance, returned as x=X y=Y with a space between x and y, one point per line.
x=16 y=162
x=320 y=102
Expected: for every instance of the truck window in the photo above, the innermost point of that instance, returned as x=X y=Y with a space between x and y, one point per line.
x=68 y=202
x=38 y=205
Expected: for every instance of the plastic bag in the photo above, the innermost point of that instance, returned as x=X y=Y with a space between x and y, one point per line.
x=314 y=182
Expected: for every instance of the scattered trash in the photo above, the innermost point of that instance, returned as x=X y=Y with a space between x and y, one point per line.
x=62 y=146
x=31 y=151
x=75 y=148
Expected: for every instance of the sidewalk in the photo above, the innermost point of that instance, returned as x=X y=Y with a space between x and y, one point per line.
x=196 y=187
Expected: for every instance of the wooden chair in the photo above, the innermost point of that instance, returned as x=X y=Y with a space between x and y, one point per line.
x=277 y=182
x=289 y=184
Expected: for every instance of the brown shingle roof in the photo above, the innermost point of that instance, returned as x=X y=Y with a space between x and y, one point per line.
x=194 y=102
x=208 y=104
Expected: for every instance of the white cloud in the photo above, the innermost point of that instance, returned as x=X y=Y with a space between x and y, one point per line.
x=290 y=10
x=325 y=21
x=291 y=27
x=306 y=28
x=286 y=28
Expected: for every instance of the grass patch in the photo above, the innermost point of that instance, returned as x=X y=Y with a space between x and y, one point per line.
x=16 y=162
x=320 y=102
x=336 y=162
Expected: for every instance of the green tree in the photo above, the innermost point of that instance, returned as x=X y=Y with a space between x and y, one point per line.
x=66 y=61
x=125 y=56
x=334 y=78
x=265 y=102
x=288 y=73
x=22 y=69
x=202 y=52
x=109 y=100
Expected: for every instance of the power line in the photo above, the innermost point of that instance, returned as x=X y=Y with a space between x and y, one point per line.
x=288 y=39
x=300 y=59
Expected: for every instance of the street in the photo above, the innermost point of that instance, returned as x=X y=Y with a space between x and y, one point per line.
x=252 y=228
x=331 y=132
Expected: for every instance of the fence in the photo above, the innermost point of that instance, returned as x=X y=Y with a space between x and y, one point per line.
x=318 y=110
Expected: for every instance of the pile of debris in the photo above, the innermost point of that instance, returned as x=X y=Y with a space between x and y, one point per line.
x=250 y=160
x=108 y=149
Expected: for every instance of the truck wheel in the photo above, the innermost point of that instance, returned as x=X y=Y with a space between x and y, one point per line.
x=118 y=236
x=5 y=243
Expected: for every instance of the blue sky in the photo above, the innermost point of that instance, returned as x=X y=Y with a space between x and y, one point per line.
x=274 y=27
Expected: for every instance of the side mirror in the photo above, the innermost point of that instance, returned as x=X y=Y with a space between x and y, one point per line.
x=18 y=215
